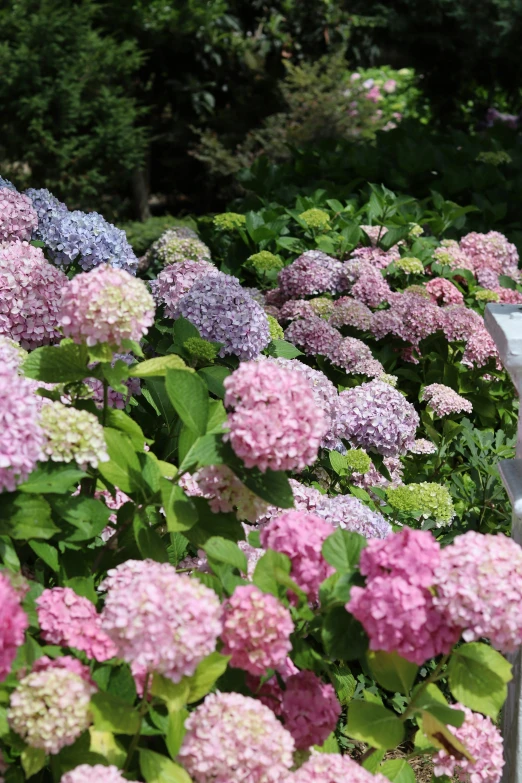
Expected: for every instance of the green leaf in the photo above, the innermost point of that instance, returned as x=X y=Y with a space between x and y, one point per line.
x=371 y=762
x=207 y=450
x=225 y=551
x=33 y=760
x=119 y=420
x=189 y=396
x=266 y=572
x=63 y=364
x=180 y=512
x=104 y=744
x=272 y=486
x=397 y=770
x=330 y=745
x=84 y=586
x=175 y=695
x=175 y=731
x=343 y=635
x=160 y=399
x=52 y=477
x=338 y=462
x=431 y=701
x=183 y=329
x=208 y=671
x=149 y=543
x=391 y=671
x=26 y=517
x=111 y=713
x=214 y=377
x=343 y=681
x=375 y=725
x=87 y=516
x=160 y=769
x=283 y=349
x=47 y=553
x=478 y=677
x=210 y=524
x=158 y=366
x=441 y=737
x=342 y=550
x=123 y=469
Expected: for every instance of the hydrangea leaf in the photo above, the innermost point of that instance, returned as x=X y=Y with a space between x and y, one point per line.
x=375 y=725
x=160 y=769
x=397 y=770
x=478 y=677
x=391 y=671
x=189 y=396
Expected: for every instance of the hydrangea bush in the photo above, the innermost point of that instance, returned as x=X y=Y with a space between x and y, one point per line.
x=231 y=552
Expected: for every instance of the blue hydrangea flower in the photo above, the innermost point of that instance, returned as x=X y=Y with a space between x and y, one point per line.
x=5 y=183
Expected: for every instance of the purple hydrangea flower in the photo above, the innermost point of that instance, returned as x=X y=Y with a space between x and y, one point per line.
x=313 y=272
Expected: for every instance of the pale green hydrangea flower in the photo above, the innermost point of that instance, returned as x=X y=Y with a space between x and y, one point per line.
x=411 y=266
x=276 y=330
x=487 y=295
x=427 y=499
x=317 y=219
x=229 y=221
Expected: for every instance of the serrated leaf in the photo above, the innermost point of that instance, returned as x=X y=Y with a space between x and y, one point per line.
x=375 y=725
x=57 y=364
x=158 y=366
x=52 y=477
x=111 y=713
x=207 y=673
x=33 y=760
x=397 y=770
x=160 y=769
x=391 y=671
x=478 y=677
x=26 y=517
x=225 y=551
x=343 y=549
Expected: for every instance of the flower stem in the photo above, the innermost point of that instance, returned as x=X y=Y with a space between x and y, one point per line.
x=144 y=706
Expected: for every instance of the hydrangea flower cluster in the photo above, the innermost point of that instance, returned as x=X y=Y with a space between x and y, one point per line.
x=71 y=434
x=160 y=621
x=46 y=206
x=480 y=348
x=348 y=513
x=371 y=288
x=224 y=491
x=410 y=317
x=13 y=625
x=30 y=297
x=300 y=536
x=460 y=323
x=276 y=331
x=84 y=773
x=354 y=356
x=5 y=183
x=229 y=221
x=235 y=739
x=223 y=312
x=18 y=219
x=106 y=306
x=313 y=272
x=376 y=416
x=256 y=630
x=21 y=438
x=322 y=306
x=314 y=336
x=332 y=767
x=483 y=740
x=422 y=446
x=316 y=219
x=410 y=266
x=428 y=499
x=444 y=292
x=70 y=620
x=491 y=251
x=309 y=709
x=443 y=400
x=350 y=312
x=479 y=587
x=486 y=295
x=175 y=280
x=396 y=608
x=175 y=246
x=275 y=421
x=50 y=709
x=66 y=662
x=450 y=254
x=296 y=308
x=374 y=233
x=374 y=257
x=265 y=262
x=12 y=355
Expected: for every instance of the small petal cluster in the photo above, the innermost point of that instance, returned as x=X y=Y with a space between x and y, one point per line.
x=6 y=183
x=376 y=416
x=314 y=336
x=357 y=460
x=84 y=237
x=348 y=513
x=300 y=536
x=66 y=662
x=174 y=247
x=450 y=254
x=486 y=295
x=479 y=586
x=428 y=499
x=333 y=768
x=46 y=206
x=296 y=308
x=84 y=773
x=256 y=630
x=71 y=434
x=70 y=620
x=310 y=709
x=374 y=257
x=460 y=323
x=224 y=312
x=21 y=437
x=371 y=288
x=410 y=317
x=160 y=621
x=350 y=312
x=30 y=295
x=106 y=305
x=13 y=624
x=316 y=219
x=373 y=478
x=443 y=400
x=480 y=348
x=275 y=422
x=444 y=292
x=229 y=221
x=175 y=280
x=422 y=446
x=265 y=262
x=410 y=266
x=354 y=356
x=18 y=219
x=235 y=739
x=224 y=491
x=483 y=741
x=322 y=306
x=12 y=355
x=311 y=273
x=491 y=251
x=396 y=608
x=50 y=709
x=276 y=331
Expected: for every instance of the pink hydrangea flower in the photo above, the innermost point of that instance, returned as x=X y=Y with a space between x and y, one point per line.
x=480 y=348
x=296 y=308
x=371 y=288
x=84 y=773
x=300 y=536
x=270 y=692
x=374 y=256
x=333 y=768
x=483 y=741
x=21 y=438
x=401 y=617
x=479 y=587
x=423 y=446
x=375 y=233
x=444 y=291
x=30 y=294
x=443 y=400
x=350 y=312
x=509 y=296
x=106 y=305
x=450 y=254
x=314 y=336
x=413 y=555
x=160 y=620
x=70 y=620
x=175 y=280
x=13 y=625
x=411 y=317
x=275 y=422
x=313 y=272
x=235 y=739
x=256 y=630
x=224 y=491
x=460 y=322
x=310 y=709
x=65 y=662
x=491 y=251
x=18 y=218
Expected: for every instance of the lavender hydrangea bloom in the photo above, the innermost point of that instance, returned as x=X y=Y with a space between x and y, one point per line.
x=313 y=272
x=46 y=206
x=5 y=183
x=376 y=416
x=348 y=513
x=224 y=312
